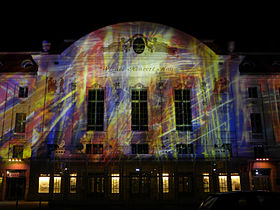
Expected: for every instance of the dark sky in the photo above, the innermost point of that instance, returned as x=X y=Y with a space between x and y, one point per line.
x=253 y=27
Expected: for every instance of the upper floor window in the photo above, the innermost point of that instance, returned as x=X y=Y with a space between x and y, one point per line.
x=256 y=123
x=139 y=112
x=18 y=151
x=23 y=92
x=95 y=110
x=94 y=148
x=20 y=122
x=183 y=110
x=253 y=92
x=140 y=148
x=184 y=149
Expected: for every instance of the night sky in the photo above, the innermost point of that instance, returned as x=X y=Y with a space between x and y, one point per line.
x=254 y=28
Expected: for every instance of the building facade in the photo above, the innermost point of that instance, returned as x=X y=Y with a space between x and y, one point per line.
x=137 y=111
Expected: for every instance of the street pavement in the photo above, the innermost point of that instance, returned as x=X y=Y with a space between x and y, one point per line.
x=43 y=205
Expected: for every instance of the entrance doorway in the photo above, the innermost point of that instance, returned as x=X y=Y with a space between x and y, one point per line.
x=15 y=185
x=140 y=185
x=261 y=179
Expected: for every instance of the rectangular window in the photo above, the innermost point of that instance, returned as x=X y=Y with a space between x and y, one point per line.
x=20 y=122
x=95 y=110
x=206 y=183
x=256 y=123
x=139 y=148
x=223 y=183
x=97 y=184
x=94 y=148
x=165 y=182
x=259 y=151
x=23 y=92
x=139 y=112
x=18 y=151
x=185 y=183
x=183 y=111
x=184 y=149
x=135 y=188
x=235 y=182
x=44 y=183
x=115 y=183
x=56 y=184
x=139 y=184
x=73 y=183
x=253 y=92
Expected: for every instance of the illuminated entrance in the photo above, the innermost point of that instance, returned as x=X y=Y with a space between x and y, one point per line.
x=261 y=179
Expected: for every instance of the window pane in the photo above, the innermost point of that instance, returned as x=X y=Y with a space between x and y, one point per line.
x=18 y=151
x=143 y=95
x=253 y=92
x=135 y=185
x=44 y=184
x=165 y=183
x=139 y=110
x=99 y=184
x=100 y=95
x=23 y=92
x=133 y=149
x=95 y=110
x=183 y=113
x=73 y=184
x=223 y=183
x=256 y=123
x=206 y=183
x=57 y=185
x=91 y=94
x=115 y=183
x=20 y=122
x=235 y=183
x=92 y=188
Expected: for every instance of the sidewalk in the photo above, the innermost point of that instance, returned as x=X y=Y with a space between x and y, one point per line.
x=69 y=205
x=23 y=205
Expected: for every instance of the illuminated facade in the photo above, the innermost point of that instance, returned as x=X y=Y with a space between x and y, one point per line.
x=137 y=110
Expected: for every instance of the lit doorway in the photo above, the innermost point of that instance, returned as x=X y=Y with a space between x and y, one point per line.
x=261 y=179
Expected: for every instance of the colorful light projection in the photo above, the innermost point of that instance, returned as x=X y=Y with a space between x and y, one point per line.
x=117 y=59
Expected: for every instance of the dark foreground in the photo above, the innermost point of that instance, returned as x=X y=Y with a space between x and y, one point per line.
x=44 y=205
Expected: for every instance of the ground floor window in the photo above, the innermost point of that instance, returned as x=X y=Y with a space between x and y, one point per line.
x=165 y=182
x=57 y=184
x=206 y=182
x=223 y=182
x=235 y=182
x=44 y=183
x=97 y=184
x=115 y=183
x=185 y=183
x=139 y=184
x=73 y=183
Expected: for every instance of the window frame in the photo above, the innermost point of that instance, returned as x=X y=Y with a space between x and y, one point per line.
x=20 y=123
x=253 y=92
x=256 y=123
x=183 y=111
x=115 y=183
x=138 y=149
x=16 y=154
x=94 y=149
x=23 y=92
x=184 y=149
x=96 y=110
x=46 y=178
x=182 y=180
x=139 y=109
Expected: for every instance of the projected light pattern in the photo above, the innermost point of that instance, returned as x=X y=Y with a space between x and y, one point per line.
x=161 y=60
